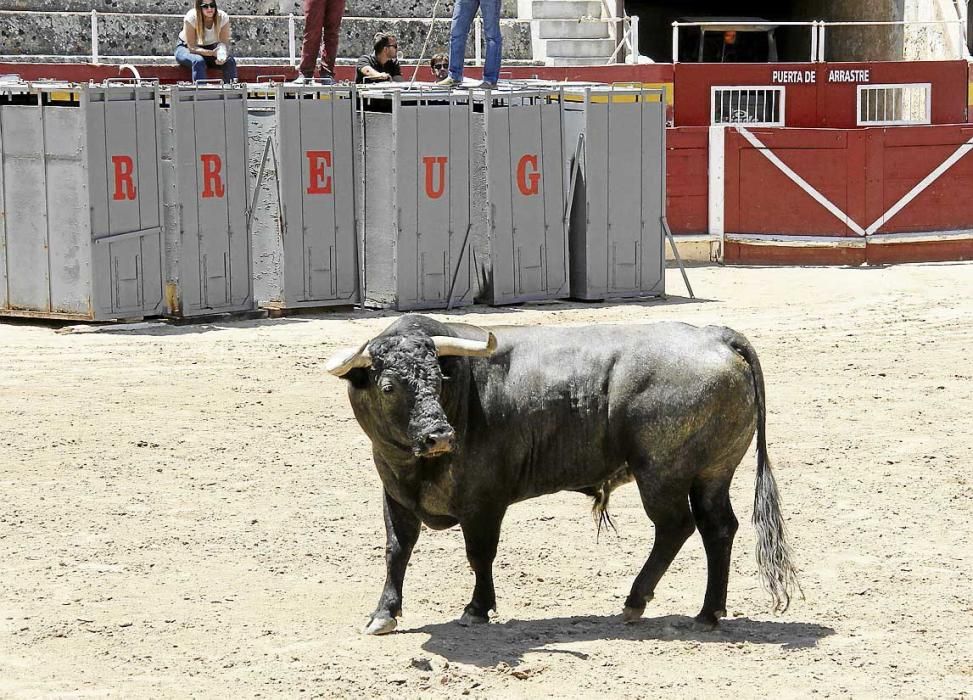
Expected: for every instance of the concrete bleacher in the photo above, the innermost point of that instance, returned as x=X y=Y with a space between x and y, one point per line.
x=260 y=28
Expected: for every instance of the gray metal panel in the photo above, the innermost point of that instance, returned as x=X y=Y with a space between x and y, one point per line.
x=653 y=196
x=318 y=188
x=460 y=257
x=380 y=219
x=554 y=192
x=124 y=160
x=617 y=245
x=443 y=174
x=25 y=184
x=625 y=186
x=499 y=197
x=595 y=191
x=405 y=199
x=124 y=185
x=69 y=221
x=526 y=197
x=237 y=191
x=211 y=179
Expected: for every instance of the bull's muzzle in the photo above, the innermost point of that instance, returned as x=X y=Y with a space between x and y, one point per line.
x=437 y=442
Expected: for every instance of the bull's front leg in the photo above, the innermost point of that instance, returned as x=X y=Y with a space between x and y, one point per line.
x=401 y=534
x=482 y=534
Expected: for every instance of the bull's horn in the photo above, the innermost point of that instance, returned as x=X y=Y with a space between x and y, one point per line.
x=447 y=345
x=346 y=359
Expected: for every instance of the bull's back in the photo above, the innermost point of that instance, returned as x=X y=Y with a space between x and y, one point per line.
x=574 y=403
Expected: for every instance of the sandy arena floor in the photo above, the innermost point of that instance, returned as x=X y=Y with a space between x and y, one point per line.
x=192 y=511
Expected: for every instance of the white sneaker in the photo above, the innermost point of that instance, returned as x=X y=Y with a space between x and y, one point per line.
x=302 y=79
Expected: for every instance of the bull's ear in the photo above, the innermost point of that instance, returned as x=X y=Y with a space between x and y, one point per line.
x=358 y=377
x=448 y=345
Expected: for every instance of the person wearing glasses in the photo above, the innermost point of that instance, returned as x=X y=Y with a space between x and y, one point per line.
x=463 y=13
x=383 y=65
x=204 y=42
x=439 y=65
x=322 y=20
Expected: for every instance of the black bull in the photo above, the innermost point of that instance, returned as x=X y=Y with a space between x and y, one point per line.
x=465 y=422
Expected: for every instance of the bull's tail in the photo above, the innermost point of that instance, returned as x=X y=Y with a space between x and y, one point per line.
x=773 y=554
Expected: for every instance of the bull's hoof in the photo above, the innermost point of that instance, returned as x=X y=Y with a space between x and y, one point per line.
x=380 y=625
x=707 y=622
x=630 y=614
x=469 y=619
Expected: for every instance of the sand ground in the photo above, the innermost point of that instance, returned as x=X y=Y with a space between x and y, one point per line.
x=192 y=511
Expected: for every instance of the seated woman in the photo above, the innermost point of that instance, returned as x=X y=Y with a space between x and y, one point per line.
x=204 y=41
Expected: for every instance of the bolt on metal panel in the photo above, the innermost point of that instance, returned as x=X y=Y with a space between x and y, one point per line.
x=618 y=199
x=522 y=255
x=316 y=130
x=210 y=168
x=417 y=199
x=53 y=182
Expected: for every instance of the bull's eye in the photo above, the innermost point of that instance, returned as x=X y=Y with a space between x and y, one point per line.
x=387 y=389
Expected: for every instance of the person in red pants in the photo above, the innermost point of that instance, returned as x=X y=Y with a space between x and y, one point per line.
x=321 y=17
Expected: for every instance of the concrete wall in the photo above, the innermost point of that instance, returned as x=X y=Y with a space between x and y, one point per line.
x=854 y=43
x=258 y=37
x=353 y=8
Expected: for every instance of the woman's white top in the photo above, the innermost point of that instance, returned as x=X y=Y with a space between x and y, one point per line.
x=209 y=33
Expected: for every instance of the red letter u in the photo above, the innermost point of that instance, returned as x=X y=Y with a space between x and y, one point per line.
x=432 y=191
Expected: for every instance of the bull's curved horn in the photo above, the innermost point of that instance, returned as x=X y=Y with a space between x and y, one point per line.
x=346 y=359
x=447 y=345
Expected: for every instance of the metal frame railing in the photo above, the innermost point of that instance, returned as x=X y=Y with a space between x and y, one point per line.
x=819 y=29
x=629 y=38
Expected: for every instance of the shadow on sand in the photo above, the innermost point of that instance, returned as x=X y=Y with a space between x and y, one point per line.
x=509 y=641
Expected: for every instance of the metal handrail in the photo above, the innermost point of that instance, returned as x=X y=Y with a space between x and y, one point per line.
x=818 y=29
x=291 y=20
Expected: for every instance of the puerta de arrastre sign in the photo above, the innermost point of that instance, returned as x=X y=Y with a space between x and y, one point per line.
x=835 y=75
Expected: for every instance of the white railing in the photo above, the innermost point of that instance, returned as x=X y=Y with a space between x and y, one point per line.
x=629 y=34
x=818 y=38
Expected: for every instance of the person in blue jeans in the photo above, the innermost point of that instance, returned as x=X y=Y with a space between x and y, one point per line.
x=463 y=13
x=204 y=41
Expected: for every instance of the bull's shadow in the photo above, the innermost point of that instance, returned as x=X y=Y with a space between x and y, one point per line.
x=509 y=641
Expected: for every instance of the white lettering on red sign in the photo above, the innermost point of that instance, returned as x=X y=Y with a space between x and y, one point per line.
x=781 y=77
x=843 y=75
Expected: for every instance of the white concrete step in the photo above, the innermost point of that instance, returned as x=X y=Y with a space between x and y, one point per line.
x=580 y=48
x=572 y=29
x=576 y=60
x=565 y=9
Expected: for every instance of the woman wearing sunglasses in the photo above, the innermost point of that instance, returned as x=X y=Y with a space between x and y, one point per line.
x=204 y=41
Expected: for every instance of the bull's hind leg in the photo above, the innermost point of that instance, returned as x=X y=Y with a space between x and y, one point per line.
x=717 y=526
x=667 y=504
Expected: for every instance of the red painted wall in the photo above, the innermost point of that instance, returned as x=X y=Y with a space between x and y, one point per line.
x=687 y=179
x=823 y=102
x=864 y=172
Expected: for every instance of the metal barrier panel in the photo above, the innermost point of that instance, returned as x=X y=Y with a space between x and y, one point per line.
x=417 y=200
x=62 y=258
x=316 y=131
x=209 y=130
x=528 y=251
x=25 y=204
x=123 y=170
x=619 y=193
